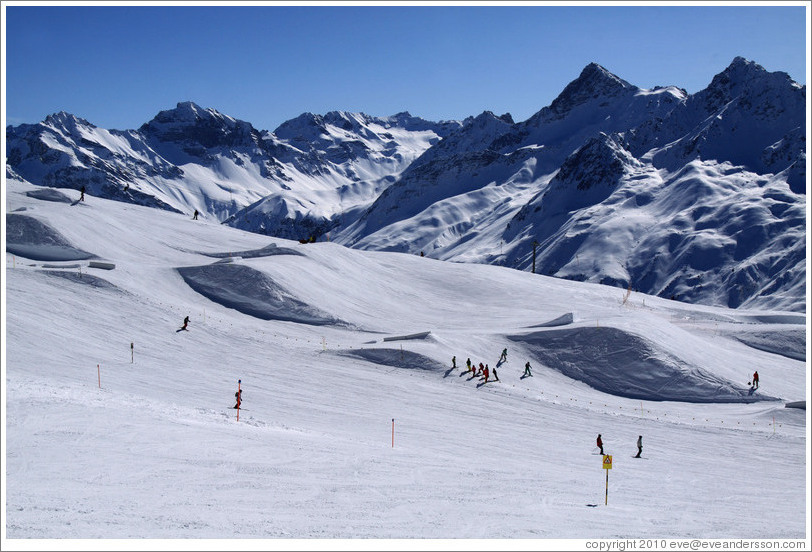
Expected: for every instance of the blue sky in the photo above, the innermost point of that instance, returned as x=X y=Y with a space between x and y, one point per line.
x=117 y=66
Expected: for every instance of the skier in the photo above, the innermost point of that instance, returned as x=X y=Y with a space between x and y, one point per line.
x=453 y=362
x=82 y=197
x=755 y=380
x=468 y=364
x=503 y=358
x=185 y=323
x=194 y=217
x=481 y=369
x=527 y=369
x=600 y=443
x=639 y=446
x=495 y=375
x=238 y=395
x=485 y=373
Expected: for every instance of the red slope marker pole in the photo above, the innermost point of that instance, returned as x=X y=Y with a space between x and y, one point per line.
x=239 y=397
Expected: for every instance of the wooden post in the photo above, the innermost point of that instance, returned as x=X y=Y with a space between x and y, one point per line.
x=606 y=501
x=535 y=243
x=98 y=370
x=393 y=433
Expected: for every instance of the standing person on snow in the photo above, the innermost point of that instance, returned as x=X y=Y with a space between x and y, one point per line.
x=453 y=362
x=468 y=364
x=600 y=443
x=527 y=370
x=639 y=446
x=485 y=373
x=82 y=197
x=495 y=375
x=481 y=369
x=194 y=217
x=755 y=380
x=504 y=355
x=185 y=323
x=238 y=396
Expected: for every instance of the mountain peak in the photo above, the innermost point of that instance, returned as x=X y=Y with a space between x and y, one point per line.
x=740 y=69
x=593 y=82
x=65 y=120
x=190 y=112
x=744 y=78
x=207 y=127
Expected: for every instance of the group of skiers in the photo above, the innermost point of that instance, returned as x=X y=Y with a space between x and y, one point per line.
x=639 y=445
x=482 y=370
x=485 y=371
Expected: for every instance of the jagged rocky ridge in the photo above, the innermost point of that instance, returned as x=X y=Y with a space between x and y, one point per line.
x=698 y=197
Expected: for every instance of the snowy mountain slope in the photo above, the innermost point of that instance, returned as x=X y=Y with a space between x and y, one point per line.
x=632 y=171
x=742 y=117
x=703 y=199
x=344 y=160
x=190 y=158
x=364 y=430
x=709 y=233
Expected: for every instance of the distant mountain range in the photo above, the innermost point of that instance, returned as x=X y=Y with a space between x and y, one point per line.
x=697 y=197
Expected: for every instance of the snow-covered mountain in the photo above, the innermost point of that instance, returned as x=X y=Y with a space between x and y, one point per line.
x=292 y=183
x=354 y=421
x=698 y=197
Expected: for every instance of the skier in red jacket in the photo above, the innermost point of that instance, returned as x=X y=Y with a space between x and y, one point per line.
x=755 y=380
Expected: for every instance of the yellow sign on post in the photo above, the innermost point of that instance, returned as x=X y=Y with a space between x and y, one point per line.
x=607 y=465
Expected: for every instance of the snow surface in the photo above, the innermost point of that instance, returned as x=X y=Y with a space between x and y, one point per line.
x=355 y=426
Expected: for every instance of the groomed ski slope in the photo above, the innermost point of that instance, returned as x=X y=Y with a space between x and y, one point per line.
x=105 y=441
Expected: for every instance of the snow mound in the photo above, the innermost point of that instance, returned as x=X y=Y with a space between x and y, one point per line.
x=788 y=343
x=84 y=279
x=774 y=319
x=396 y=358
x=49 y=194
x=267 y=251
x=623 y=364
x=563 y=320
x=419 y=335
x=252 y=292
x=33 y=239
